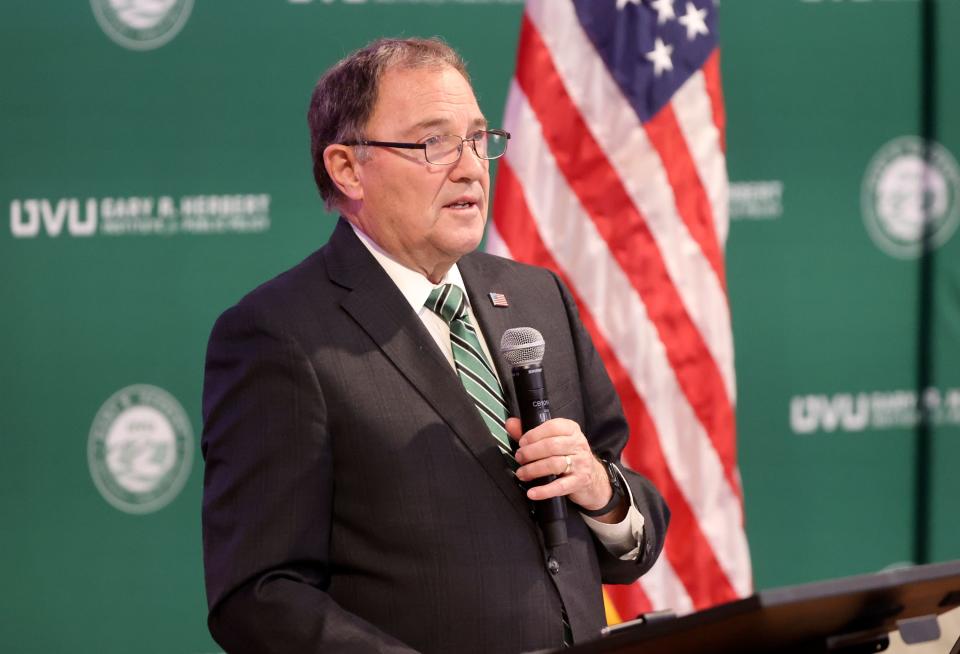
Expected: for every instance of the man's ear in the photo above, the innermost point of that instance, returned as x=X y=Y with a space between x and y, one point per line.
x=342 y=166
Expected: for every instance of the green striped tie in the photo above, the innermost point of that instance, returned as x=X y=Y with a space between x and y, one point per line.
x=475 y=372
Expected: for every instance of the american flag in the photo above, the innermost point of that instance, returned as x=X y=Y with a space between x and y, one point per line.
x=616 y=179
x=499 y=300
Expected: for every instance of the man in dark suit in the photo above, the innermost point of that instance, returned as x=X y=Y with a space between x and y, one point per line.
x=356 y=495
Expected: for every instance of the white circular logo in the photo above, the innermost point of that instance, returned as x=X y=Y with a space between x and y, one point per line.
x=901 y=190
x=140 y=449
x=141 y=24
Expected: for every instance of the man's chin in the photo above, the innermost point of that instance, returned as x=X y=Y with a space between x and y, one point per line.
x=463 y=243
x=460 y=225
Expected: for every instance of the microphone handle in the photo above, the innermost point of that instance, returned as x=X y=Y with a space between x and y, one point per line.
x=531 y=389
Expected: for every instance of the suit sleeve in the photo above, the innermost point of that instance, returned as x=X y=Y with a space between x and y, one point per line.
x=606 y=428
x=267 y=499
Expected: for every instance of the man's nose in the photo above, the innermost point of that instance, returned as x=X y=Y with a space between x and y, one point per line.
x=470 y=166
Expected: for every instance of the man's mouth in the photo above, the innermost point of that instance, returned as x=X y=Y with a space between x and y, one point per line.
x=461 y=203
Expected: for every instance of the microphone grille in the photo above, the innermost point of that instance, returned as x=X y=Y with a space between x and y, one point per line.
x=522 y=346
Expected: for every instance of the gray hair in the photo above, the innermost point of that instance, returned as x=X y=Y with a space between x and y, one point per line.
x=344 y=97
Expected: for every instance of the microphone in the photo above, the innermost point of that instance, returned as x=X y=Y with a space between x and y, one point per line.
x=522 y=348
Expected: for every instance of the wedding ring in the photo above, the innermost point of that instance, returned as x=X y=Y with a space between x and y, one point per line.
x=569 y=464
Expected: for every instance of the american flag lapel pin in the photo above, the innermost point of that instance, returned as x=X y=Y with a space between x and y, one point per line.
x=499 y=300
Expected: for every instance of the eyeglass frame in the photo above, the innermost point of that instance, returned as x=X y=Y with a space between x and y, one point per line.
x=423 y=146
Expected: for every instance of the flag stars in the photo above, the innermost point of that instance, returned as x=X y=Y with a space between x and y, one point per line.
x=664 y=9
x=623 y=3
x=694 y=21
x=660 y=57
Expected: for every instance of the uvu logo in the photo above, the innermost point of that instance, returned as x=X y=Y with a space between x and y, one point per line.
x=29 y=217
x=812 y=412
x=857 y=412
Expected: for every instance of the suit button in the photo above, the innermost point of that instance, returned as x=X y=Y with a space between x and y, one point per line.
x=553 y=566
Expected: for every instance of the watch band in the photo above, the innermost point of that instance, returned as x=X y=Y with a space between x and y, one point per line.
x=618 y=494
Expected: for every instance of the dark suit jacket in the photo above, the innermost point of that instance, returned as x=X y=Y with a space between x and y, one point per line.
x=354 y=500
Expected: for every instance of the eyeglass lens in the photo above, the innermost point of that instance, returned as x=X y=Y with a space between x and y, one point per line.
x=447 y=149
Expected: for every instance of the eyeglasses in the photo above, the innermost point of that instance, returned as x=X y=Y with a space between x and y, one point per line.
x=446 y=149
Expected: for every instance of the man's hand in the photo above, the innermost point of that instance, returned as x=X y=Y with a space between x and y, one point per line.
x=558 y=447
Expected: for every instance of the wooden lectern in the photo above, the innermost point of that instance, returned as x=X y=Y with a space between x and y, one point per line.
x=843 y=616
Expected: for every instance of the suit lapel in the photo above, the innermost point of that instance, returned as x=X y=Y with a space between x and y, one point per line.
x=378 y=307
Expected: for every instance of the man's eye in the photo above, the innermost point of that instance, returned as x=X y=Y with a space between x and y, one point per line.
x=432 y=141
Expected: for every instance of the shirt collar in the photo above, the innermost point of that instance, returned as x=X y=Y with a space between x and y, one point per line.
x=414 y=286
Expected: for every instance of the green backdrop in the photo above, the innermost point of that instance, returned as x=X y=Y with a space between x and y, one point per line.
x=148 y=185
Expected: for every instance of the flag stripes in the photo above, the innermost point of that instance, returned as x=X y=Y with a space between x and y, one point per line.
x=523 y=239
x=711 y=78
x=693 y=111
x=598 y=188
x=634 y=206
x=692 y=205
x=589 y=89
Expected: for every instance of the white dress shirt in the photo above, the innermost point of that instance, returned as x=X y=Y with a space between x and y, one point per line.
x=621 y=539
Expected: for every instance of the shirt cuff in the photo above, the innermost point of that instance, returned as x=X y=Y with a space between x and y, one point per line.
x=622 y=539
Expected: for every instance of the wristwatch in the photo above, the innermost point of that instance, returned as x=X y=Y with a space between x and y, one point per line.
x=618 y=491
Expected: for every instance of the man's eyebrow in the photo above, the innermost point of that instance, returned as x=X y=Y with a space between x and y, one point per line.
x=431 y=123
